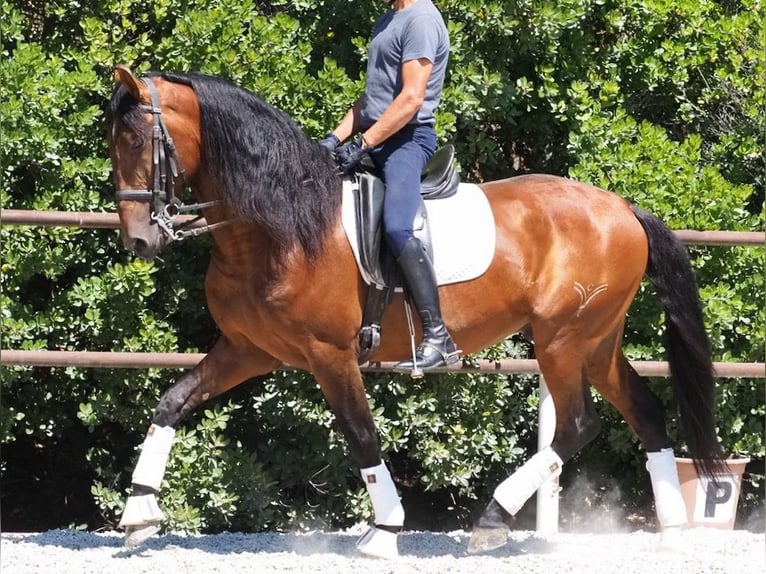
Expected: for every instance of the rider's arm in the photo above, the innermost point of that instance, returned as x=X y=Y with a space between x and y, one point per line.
x=415 y=74
x=349 y=125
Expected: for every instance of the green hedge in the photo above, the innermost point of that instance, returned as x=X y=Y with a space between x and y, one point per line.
x=655 y=100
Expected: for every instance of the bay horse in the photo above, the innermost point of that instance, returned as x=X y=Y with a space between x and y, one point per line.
x=284 y=288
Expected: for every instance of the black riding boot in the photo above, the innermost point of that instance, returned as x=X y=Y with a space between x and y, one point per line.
x=437 y=348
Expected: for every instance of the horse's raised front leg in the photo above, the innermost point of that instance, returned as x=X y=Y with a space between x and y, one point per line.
x=224 y=367
x=337 y=373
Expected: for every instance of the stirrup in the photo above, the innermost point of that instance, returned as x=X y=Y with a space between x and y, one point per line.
x=415 y=367
x=447 y=358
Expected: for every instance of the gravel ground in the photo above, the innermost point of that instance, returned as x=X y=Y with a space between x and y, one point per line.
x=66 y=551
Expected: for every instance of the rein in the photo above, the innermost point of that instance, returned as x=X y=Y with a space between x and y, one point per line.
x=166 y=168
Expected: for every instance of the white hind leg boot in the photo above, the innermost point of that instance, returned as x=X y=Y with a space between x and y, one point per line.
x=515 y=490
x=668 y=501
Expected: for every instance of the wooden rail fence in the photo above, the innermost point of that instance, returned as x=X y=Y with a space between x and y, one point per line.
x=91 y=220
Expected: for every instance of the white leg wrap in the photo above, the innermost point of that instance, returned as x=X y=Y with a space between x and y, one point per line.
x=150 y=467
x=515 y=490
x=385 y=501
x=388 y=512
x=671 y=510
x=140 y=510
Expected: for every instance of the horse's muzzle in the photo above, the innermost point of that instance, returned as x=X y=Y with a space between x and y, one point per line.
x=146 y=246
x=142 y=249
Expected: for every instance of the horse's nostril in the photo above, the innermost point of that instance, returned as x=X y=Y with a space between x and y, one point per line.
x=141 y=248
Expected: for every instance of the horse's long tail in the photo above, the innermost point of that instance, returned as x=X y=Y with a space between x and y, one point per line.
x=687 y=344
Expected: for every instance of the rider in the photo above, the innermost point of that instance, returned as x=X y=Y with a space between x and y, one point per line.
x=395 y=116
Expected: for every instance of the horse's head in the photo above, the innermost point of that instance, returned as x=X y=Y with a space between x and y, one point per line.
x=154 y=147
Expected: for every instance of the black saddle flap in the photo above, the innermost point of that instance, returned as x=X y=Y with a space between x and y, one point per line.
x=440 y=177
x=369 y=210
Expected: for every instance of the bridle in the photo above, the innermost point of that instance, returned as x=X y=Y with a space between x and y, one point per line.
x=165 y=206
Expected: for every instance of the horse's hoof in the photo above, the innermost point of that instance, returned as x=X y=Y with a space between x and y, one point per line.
x=671 y=540
x=378 y=544
x=137 y=535
x=485 y=539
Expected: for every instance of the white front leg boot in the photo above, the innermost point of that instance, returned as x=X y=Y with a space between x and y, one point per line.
x=388 y=512
x=142 y=515
x=668 y=501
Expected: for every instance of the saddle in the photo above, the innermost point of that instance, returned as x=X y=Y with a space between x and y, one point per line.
x=439 y=180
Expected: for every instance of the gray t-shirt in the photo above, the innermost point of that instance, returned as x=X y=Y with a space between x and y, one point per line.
x=398 y=37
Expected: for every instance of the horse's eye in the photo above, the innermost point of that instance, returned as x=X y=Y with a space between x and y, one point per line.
x=136 y=142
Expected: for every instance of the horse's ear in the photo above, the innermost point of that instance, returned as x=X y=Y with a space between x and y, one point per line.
x=123 y=75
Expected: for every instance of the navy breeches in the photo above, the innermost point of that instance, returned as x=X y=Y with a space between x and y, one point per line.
x=400 y=161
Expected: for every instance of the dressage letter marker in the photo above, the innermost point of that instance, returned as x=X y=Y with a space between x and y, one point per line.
x=715 y=501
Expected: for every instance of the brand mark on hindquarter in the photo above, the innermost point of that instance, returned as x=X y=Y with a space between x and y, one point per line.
x=587 y=294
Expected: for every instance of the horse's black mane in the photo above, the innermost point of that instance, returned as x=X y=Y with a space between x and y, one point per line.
x=265 y=167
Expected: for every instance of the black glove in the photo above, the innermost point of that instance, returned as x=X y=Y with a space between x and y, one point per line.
x=350 y=155
x=330 y=143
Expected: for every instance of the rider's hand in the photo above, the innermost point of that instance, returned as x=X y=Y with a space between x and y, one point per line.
x=350 y=155
x=330 y=143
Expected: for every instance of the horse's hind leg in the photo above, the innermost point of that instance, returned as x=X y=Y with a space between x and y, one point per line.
x=576 y=425
x=223 y=368
x=622 y=386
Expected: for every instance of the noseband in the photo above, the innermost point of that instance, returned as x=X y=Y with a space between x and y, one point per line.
x=166 y=168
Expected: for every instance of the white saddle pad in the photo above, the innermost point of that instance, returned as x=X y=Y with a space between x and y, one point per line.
x=462 y=233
